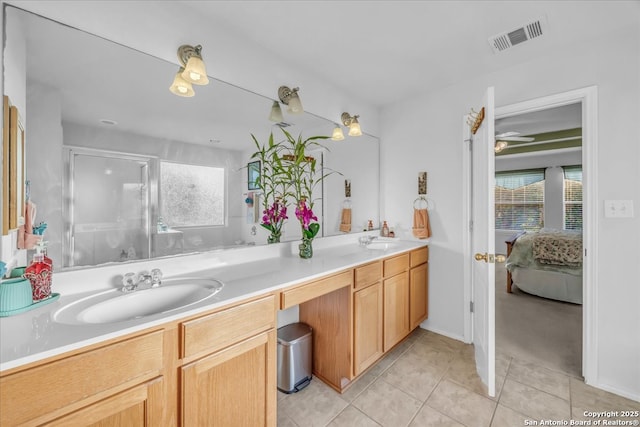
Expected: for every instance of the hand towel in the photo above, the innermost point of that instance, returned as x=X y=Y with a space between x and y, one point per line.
x=26 y=238
x=345 y=220
x=421 y=227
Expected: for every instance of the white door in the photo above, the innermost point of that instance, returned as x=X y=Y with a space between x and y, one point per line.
x=483 y=243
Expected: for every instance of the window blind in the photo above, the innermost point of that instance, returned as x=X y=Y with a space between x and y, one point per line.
x=519 y=199
x=572 y=197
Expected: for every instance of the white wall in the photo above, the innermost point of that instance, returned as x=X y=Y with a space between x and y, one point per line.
x=425 y=133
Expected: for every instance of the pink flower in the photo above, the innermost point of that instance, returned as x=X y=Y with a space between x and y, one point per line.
x=305 y=215
x=274 y=217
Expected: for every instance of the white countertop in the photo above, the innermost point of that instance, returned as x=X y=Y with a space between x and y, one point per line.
x=245 y=272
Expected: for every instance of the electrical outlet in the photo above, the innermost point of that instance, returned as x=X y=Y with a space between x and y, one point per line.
x=618 y=208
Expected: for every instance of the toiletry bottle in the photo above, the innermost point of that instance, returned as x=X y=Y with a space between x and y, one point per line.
x=39 y=274
x=385 y=229
x=46 y=258
x=370 y=225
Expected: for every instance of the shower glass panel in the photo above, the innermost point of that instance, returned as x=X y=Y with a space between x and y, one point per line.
x=109 y=207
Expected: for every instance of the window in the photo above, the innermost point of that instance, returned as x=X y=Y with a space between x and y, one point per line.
x=191 y=195
x=519 y=198
x=572 y=197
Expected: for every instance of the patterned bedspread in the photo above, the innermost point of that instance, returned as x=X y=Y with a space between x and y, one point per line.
x=548 y=250
x=558 y=249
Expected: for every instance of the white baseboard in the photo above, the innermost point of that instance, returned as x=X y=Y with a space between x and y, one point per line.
x=624 y=393
x=445 y=333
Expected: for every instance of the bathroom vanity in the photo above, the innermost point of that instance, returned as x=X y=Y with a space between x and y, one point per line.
x=213 y=363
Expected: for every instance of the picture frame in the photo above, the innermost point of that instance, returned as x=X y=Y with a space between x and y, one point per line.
x=253 y=175
x=5 y=166
x=13 y=170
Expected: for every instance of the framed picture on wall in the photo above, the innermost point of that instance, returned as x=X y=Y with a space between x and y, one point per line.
x=13 y=168
x=253 y=175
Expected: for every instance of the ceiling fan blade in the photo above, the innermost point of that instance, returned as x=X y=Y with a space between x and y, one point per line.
x=517 y=138
x=507 y=134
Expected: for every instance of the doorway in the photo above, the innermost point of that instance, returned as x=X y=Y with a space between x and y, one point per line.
x=538 y=187
x=587 y=97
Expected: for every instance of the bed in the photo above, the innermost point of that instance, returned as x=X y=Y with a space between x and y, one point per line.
x=547 y=263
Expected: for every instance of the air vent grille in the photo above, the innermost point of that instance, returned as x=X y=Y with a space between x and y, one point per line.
x=506 y=40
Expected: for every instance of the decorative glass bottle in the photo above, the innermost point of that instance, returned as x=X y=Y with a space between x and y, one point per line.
x=39 y=274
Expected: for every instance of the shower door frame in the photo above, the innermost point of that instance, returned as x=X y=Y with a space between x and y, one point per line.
x=68 y=190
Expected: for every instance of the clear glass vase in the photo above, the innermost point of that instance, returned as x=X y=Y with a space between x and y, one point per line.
x=306 y=248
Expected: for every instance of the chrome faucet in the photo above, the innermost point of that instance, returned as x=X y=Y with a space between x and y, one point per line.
x=365 y=240
x=132 y=282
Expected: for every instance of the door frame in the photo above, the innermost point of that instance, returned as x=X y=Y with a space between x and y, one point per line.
x=588 y=97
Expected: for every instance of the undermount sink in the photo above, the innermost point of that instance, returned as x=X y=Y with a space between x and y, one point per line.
x=114 y=306
x=381 y=245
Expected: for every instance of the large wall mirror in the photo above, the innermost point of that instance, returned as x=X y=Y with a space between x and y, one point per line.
x=121 y=169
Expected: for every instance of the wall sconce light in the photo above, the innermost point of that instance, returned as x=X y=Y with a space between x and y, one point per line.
x=180 y=86
x=194 y=69
x=337 y=133
x=290 y=98
x=500 y=145
x=276 y=113
x=352 y=123
x=191 y=72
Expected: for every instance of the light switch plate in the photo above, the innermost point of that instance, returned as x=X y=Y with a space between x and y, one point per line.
x=618 y=208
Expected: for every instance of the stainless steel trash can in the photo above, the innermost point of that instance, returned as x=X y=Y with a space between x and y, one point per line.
x=294 y=357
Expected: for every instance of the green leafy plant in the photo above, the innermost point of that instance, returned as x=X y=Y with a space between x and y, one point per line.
x=290 y=175
x=274 y=185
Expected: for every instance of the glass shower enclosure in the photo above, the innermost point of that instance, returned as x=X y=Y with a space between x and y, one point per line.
x=108 y=205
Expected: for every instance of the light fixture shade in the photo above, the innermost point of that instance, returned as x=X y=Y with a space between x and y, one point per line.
x=352 y=123
x=337 y=134
x=500 y=145
x=295 y=106
x=195 y=71
x=276 y=113
x=180 y=86
x=290 y=98
x=354 y=127
x=191 y=59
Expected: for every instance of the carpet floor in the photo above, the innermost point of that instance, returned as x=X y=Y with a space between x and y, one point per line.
x=542 y=331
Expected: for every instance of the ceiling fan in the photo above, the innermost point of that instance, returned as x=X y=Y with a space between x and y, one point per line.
x=503 y=139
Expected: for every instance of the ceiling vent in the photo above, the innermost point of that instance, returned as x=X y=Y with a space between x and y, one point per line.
x=504 y=41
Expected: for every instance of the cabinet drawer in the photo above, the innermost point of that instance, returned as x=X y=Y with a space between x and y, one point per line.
x=226 y=327
x=42 y=390
x=395 y=265
x=315 y=289
x=419 y=256
x=368 y=274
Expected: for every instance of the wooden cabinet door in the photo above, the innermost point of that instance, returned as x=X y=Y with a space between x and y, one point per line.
x=138 y=406
x=233 y=387
x=396 y=309
x=418 y=295
x=367 y=327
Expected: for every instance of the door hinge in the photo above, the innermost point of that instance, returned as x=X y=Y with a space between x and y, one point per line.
x=471 y=306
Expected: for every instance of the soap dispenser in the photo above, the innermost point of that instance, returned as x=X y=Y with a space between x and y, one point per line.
x=385 y=230
x=39 y=274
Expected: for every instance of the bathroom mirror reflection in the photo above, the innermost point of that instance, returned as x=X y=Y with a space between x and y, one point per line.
x=106 y=140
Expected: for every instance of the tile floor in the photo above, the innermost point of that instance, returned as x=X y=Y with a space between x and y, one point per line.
x=431 y=380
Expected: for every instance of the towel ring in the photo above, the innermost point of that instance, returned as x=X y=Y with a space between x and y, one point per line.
x=422 y=203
